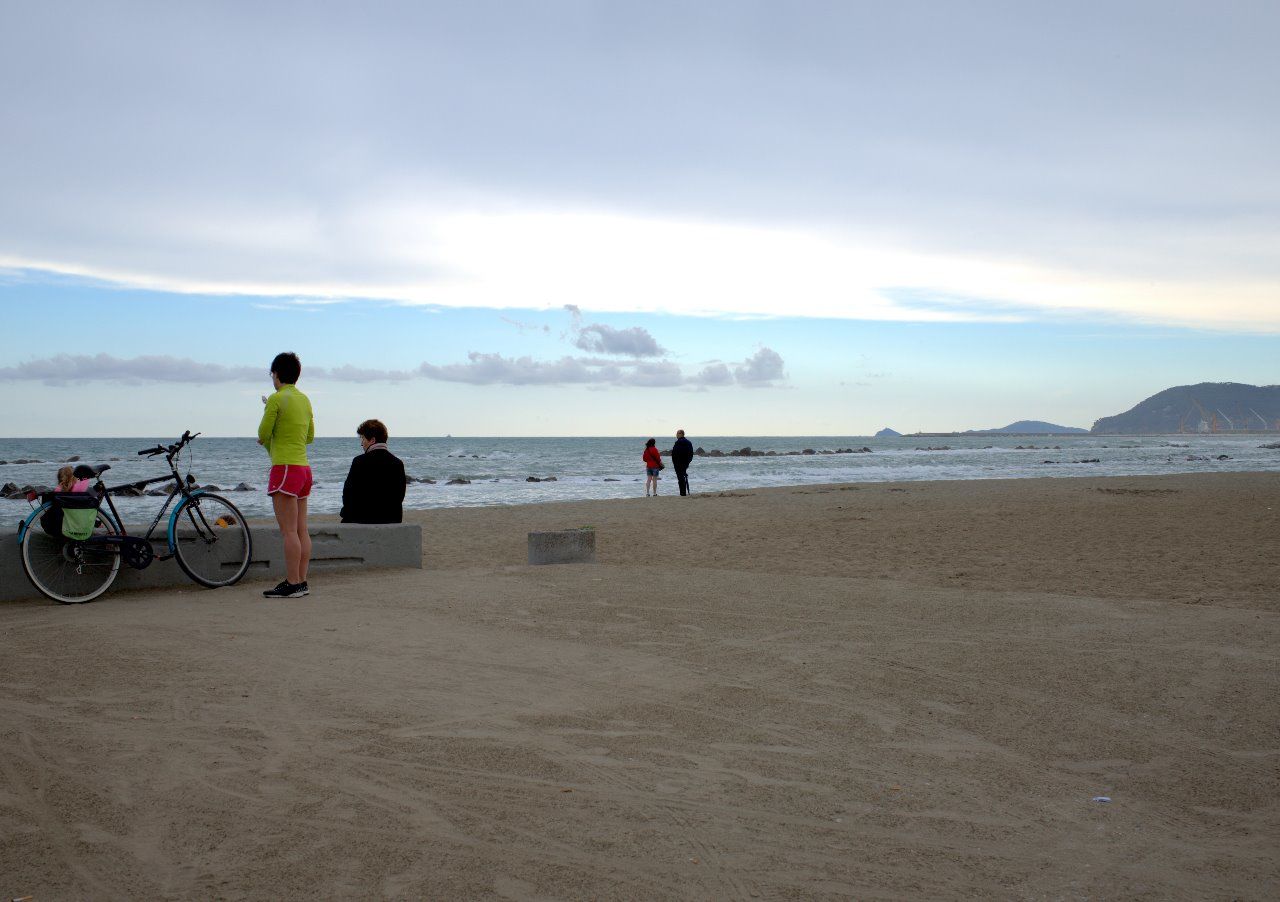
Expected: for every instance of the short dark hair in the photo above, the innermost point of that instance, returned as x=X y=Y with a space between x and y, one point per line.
x=651 y=443
x=287 y=366
x=372 y=429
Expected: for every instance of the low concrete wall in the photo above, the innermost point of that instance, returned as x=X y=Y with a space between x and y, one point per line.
x=566 y=546
x=334 y=546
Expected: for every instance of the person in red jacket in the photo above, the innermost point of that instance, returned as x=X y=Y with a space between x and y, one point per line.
x=652 y=464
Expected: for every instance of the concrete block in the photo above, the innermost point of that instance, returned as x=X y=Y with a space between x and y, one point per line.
x=334 y=546
x=566 y=546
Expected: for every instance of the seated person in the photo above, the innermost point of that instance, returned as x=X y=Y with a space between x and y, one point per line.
x=78 y=479
x=374 y=490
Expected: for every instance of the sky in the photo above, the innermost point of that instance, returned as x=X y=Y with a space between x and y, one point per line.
x=578 y=218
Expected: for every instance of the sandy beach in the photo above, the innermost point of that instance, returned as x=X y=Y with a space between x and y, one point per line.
x=879 y=691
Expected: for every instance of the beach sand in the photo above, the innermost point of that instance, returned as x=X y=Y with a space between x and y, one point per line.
x=871 y=691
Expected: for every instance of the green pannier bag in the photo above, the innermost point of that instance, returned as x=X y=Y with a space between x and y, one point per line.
x=79 y=513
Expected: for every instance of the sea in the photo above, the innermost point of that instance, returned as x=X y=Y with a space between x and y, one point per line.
x=497 y=471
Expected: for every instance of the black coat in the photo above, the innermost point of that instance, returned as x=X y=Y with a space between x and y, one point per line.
x=681 y=454
x=374 y=490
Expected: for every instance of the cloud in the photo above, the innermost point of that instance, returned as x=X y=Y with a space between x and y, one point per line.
x=762 y=369
x=494 y=369
x=633 y=342
x=63 y=369
x=713 y=374
x=602 y=339
x=1089 y=164
x=524 y=328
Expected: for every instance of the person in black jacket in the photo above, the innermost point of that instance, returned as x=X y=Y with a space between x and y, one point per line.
x=681 y=456
x=374 y=490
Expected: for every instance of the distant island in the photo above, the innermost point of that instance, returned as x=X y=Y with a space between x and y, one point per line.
x=886 y=432
x=1030 y=427
x=1206 y=407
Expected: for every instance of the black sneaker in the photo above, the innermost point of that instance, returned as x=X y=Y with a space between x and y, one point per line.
x=286 y=589
x=306 y=590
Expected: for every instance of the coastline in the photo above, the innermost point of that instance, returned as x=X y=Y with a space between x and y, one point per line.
x=875 y=690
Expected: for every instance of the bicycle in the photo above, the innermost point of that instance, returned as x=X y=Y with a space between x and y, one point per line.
x=207 y=535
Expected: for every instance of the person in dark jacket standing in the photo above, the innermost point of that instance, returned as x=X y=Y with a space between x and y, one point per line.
x=374 y=490
x=681 y=457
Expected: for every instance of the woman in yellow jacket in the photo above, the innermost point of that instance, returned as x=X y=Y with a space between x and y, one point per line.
x=287 y=427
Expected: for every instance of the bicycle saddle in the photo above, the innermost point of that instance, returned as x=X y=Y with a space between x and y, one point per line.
x=84 y=471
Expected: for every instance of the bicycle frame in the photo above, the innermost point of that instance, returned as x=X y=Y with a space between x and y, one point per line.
x=181 y=491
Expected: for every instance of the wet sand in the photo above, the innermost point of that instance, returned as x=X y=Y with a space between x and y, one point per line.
x=871 y=691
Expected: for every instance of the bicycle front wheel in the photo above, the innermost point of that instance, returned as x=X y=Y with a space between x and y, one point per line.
x=67 y=571
x=210 y=539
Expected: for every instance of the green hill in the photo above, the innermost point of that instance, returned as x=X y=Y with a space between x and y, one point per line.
x=1206 y=407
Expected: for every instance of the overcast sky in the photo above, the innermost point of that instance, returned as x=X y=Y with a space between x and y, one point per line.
x=790 y=215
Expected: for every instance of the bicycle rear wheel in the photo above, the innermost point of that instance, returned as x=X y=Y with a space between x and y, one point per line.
x=210 y=539
x=70 y=572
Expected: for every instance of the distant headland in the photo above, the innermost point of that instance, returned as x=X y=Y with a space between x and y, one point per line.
x=1207 y=407
x=1203 y=408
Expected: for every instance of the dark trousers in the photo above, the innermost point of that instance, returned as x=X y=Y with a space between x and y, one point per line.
x=682 y=479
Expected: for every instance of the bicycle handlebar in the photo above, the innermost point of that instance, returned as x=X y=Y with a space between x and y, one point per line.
x=170 y=450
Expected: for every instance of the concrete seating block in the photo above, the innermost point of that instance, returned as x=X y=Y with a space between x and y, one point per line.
x=334 y=546
x=565 y=546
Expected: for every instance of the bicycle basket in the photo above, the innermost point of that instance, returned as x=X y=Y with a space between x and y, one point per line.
x=79 y=512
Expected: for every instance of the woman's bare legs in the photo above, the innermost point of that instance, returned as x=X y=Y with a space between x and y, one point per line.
x=650 y=482
x=286 y=507
x=304 y=540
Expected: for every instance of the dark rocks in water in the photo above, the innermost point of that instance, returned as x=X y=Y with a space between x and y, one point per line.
x=159 y=493
x=1224 y=457
x=1048 y=461
x=532 y=479
x=244 y=487
x=1274 y=446
x=458 y=480
x=754 y=452
x=211 y=488
x=938 y=448
x=23 y=460
x=12 y=491
x=72 y=459
x=550 y=479
x=128 y=491
x=1087 y=460
x=425 y=480
x=607 y=479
